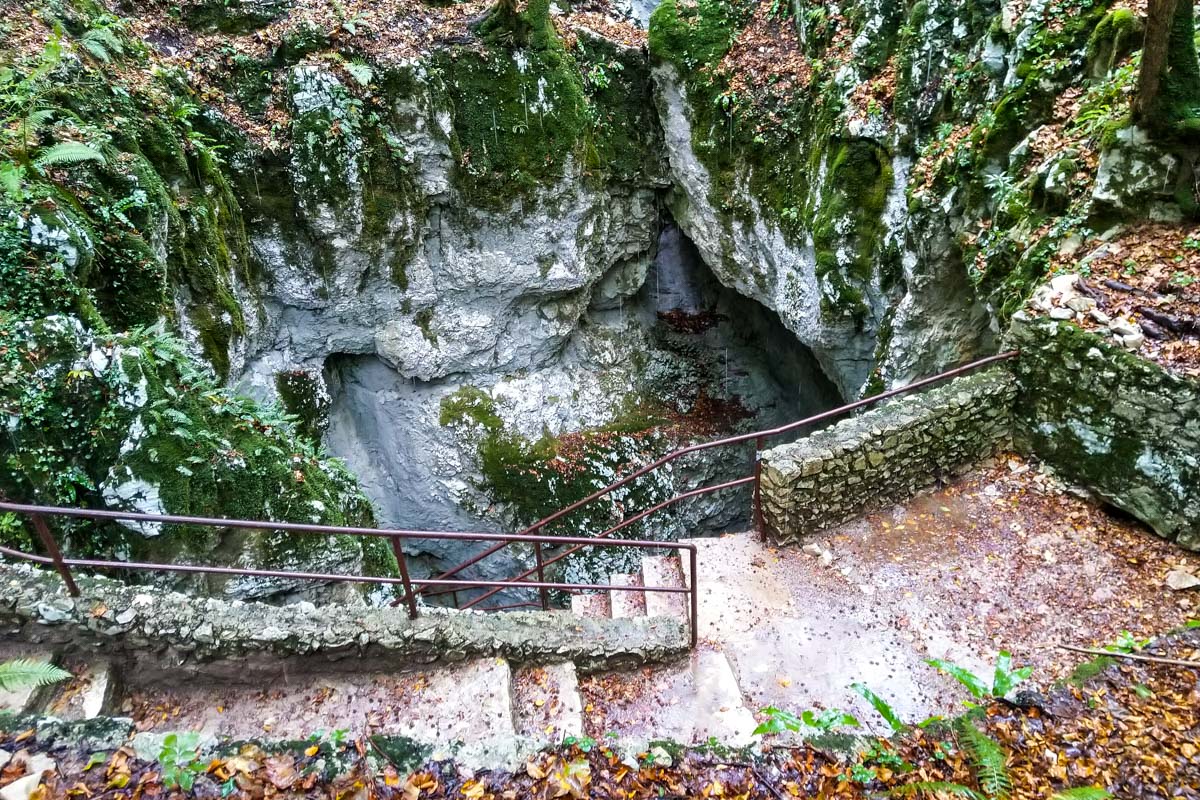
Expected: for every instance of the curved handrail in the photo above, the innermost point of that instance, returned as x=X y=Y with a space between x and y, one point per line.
x=731 y=440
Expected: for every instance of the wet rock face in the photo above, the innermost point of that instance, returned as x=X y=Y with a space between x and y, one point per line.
x=547 y=308
x=1136 y=175
x=884 y=455
x=1120 y=425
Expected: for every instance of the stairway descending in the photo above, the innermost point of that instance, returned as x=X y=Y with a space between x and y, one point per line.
x=486 y=712
x=619 y=604
x=687 y=701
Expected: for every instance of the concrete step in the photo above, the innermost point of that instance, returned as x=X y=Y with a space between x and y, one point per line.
x=547 y=702
x=664 y=571
x=89 y=694
x=467 y=706
x=591 y=605
x=684 y=701
x=26 y=699
x=627 y=604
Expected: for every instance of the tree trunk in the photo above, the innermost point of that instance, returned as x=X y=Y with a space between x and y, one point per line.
x=1168 y=86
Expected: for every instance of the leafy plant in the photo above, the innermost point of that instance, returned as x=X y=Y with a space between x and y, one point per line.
x=1004 y=677
x=882 y=706
x=180 y=760
x=989 y=762
x=1082 y=793
x=934 y=788
x=1127 y=643
x=66 y=153
x=824 y=720
x=988 y=758
x=21 y=673
x=102 y=41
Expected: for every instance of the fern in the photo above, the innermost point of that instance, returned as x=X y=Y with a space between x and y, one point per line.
x=882 y=706
x=102 y=43
x=933 y=789
x=68 y=153
x=1082 y=793
x=23 y=672
x=973 y=682
x=11 y=176
x=988 y=758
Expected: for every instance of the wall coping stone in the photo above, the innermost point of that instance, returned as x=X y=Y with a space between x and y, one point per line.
x=242 y=640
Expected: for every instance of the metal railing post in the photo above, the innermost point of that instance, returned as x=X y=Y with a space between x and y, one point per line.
x=48 y=542
x=695 y=596
x=541 y=575
x=409 y=596
x=758 y=514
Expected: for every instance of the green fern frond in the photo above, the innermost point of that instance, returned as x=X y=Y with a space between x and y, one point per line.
x=973 y=682
x=988 y=758
x=882 y=706
x=935 y=789
x=68 y=153
x=36 y=119
x=95 y=49
x=1083 y=793
x=23 y=672
x=102 y=43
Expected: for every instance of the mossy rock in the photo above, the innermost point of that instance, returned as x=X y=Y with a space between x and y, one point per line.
x=233 y=16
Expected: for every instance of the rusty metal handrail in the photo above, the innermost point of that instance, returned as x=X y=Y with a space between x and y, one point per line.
x=603 y=536
x=759 y=438
x=37 y=516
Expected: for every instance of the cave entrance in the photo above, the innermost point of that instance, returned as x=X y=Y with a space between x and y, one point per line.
x=731 y=366
x=749 y=356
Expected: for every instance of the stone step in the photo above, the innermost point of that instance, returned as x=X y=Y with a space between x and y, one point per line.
x=664 y=571
x=627 y=604
x=547 y=702
x=591 y=605
x=465 y=708
x=687 y=701
x=25 y=699
x=89 y=694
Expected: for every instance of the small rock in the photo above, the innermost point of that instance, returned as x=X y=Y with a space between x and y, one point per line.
x=21 y=788
x=1133 y=341
x=271 y=633
x=127 y=616
x=826 y=558
x=1099 y=316
x=1081 y=304
x=1062 y=313
x=1123 y=327
x=1181 y=579
x=50 y=612
x=1064 y=284
x=812 y=549
x=204 y=633
x=660 y=756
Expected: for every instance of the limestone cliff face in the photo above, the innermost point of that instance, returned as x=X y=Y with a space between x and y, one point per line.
x=825 y=238
x=891 y=177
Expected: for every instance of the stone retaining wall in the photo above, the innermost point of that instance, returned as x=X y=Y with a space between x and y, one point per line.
x=1112 y=421
x=235 y=640
x=884 y=455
